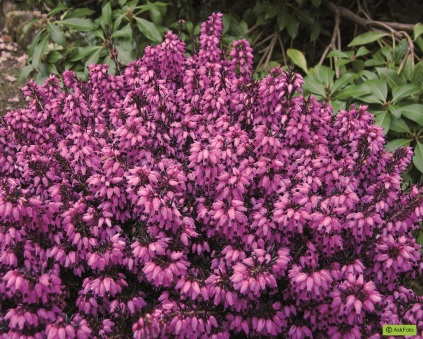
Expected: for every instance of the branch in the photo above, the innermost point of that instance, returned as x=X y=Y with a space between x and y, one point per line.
x=332 y=40
x=347 y=14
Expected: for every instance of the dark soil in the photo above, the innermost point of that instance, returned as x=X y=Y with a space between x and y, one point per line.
x=12 y=59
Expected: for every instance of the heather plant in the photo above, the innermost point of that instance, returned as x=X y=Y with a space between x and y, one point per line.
x=183 y=198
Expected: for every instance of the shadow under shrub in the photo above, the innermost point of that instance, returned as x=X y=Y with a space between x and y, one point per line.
x=183 y=198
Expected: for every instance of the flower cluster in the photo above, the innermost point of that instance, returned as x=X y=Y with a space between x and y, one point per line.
x=185 y=198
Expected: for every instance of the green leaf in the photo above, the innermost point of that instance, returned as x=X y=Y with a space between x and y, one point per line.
x=418 y=156
x=417 y=75
x=366 y=38
x=282 y=19
x=59 y=8
x=98 y=33
x=342 y=62
x=149 y=30
x=125 y=32
x=80 y=24
x=292 y=27
x=79 y=13
x=383 y=120
x=395 y=110
x=351 y=92
x=419 y=43
x=324 y=74
x=397 y=143
x=344 y=80
x=124 y=56
x=418 y=30
x=315 y=31
x=340 y=54
x=399 y=126
x=362 y=51
x=297 y=58
x=313 y=86
x=316 y=3
x=413 y=112
x=404 y=91
x=117 y=21
x=39 y=51
x=106 y=15
x=93 y=59
x=25 y=73
x=54 y=56
x=390 y=76
x=56 y=34
x=337 y=105
x=83 y=52
x=399 y=52
x=157 y=17
x=379 y=90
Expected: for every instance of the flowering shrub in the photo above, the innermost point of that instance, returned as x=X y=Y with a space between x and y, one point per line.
x=183 y=198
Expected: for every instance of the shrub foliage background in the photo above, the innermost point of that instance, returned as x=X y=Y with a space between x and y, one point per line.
x=185 y=198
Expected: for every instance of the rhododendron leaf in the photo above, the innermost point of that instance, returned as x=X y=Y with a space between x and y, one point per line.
x=418 y=30
x=391 y=77
x=379 y=91
x=124 y=56
x=383 y=119
x=125 y=32
x=399 y=125
x=25 y=72
x=313 y=86
x=106 y=15
x=417 y=75
x=340 y=54
x=413 y=112
x=298 y=58
x=394 y=144
x=343 y=81
x=83 y=52
x=293 y=26
x=56 y=34
x=94 y=57
x=148 y=29
x=418 y=156
x=404 y=91
x=57 y=9
x=80 y=24
x=78 y=13
x=324 y=74
x=362 y=51
x=366 y=38
x=395 y=110
x=353 y=91
x=54 y=56
x=39 y=51
x=282 y=19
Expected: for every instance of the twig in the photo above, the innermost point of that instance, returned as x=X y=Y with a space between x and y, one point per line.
x=264 y=40
x=272 y=46
x=258 y=37
x=251 y=29
x=347 y=14
x=410 y=51
x=332 y=44
x=285 y=61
